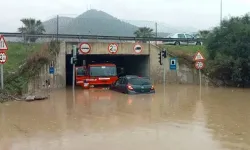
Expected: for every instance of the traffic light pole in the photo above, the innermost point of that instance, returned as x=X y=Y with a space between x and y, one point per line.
x=74 y=66
x=164 y=55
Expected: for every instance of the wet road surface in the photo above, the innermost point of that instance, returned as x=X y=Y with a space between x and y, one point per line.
x=218 y=119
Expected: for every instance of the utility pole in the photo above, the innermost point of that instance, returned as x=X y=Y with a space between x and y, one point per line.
x=156 y=32
x=221 y=3
x=57 y=27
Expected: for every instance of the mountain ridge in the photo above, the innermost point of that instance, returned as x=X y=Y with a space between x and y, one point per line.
x=95 y=22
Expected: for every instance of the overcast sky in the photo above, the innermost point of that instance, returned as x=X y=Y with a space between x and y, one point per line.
x=197 y=13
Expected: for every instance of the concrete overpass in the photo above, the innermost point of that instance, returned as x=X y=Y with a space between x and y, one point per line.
x=144 y=63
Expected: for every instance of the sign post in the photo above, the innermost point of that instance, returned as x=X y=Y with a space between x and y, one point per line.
x=199 y=64
x=173 y=66
x=3 y=57
x=2 y=84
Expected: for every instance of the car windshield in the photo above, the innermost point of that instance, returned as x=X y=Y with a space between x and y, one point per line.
x=104 y=71
x=81 y=72
x=139 y=81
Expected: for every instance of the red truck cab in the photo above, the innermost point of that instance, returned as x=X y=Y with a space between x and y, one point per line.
x=96 y=74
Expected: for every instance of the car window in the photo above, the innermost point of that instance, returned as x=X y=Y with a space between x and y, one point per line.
x=139 y=81
x=181 y=36
x=81 y=72
x=189 y=36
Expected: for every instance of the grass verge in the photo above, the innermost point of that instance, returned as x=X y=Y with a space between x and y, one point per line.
x=185 y=54
x=25 y=64
x=17 y=53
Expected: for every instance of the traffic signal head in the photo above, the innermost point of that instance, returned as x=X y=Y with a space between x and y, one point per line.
x=75 y=52
x=160 y=57
x=164 y=54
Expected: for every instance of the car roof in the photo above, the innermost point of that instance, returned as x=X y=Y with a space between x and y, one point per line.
x=129 y=76
x=133 y=76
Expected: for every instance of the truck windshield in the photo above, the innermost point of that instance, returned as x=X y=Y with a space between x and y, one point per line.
x=81 y=72
x=104 y=71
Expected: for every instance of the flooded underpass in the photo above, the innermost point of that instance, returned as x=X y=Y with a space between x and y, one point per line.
x=216 y=119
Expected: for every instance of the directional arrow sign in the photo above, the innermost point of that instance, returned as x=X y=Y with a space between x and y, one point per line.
x=3 y=45
x=199 y=57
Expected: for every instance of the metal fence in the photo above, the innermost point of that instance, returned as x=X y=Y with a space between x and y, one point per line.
x=68 y=37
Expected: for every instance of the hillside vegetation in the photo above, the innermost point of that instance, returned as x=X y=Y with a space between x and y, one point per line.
x=17 y=53
x=25 y=62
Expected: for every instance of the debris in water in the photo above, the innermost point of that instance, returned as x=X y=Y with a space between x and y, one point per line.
x=35 y=98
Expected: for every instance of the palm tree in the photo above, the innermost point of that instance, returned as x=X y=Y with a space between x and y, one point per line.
x=144 y=32
x=31 y=26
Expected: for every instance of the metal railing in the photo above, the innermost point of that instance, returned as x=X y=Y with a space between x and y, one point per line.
x=98 y=37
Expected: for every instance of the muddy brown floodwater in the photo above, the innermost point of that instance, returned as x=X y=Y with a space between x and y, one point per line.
x=218 y=119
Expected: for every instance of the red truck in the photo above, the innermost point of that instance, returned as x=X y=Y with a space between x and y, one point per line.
x=96 y=74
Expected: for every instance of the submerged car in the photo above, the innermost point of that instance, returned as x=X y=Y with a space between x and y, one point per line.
x=131 y=84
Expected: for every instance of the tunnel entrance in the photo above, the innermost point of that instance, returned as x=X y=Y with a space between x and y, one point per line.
x=131 y=64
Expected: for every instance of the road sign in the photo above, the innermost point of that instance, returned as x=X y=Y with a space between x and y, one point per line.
x=85 y=48
x=3 y=44
x=3 y=58
x=198 y=57
x=137 y=48
x=172 y=64
x=51 y=70
x=199 y=65
x=113 y=48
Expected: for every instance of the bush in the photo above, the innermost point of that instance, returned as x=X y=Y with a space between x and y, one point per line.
x=17 y=81
x=228 y=49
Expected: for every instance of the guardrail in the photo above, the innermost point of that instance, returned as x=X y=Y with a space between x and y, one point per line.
x=98 y=37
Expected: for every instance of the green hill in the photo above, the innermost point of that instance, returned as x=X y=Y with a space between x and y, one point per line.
x=92 y=22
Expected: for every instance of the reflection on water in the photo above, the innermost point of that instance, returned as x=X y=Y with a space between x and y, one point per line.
x=94 y=119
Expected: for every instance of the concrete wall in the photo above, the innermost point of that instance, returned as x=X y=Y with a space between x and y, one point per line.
x=183 y=74
x=58 y=80
x=102 y=48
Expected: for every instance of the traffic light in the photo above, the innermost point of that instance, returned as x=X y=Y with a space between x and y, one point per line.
x=160 y=57
x=75 y=53
x=164 y=54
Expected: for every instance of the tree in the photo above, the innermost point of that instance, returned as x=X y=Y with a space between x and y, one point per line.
x=228 y=48
x=31 y=27
x=204 y=33
x=144 y=32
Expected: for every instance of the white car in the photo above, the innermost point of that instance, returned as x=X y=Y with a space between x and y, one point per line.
x=188 y=39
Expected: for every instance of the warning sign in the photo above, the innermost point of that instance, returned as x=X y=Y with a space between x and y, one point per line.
x=113 y=48
x=137 y=48
x=85 y=48
x=3 y=45
x=3 y=57
x=199 y=57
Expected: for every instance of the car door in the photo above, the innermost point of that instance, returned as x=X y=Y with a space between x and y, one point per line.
x=116 y=85
x=123 y=85
x=119 y=86
x=183 y=37
x=191 y=40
